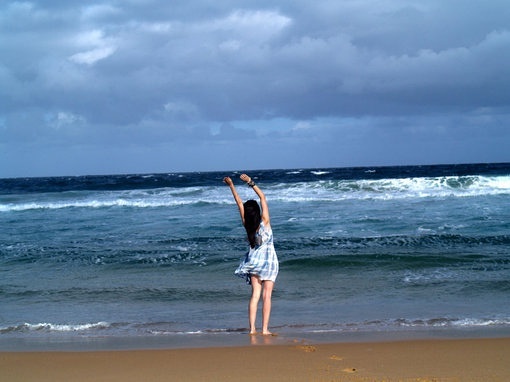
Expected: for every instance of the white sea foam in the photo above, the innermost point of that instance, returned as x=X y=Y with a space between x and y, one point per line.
x=162 y=332
x=477 y=322
x=419 y=323
x=387 y=189
x=454 y=322
x=165 y=197
x=27 y=327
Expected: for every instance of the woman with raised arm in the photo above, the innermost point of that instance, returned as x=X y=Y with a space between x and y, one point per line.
x=260 y=265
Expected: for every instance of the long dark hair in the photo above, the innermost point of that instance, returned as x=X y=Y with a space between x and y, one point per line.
x=251 y=220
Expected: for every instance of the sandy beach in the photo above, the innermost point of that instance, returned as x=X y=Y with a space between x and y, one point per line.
x=416 y=360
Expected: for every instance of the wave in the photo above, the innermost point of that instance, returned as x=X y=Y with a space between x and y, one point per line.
x=320 y=172
x=485 y=252
x=312 y=191
x=165 y=253
x=388 y=189
x=446 y=322
x=166 y=197
x=393 y=242
x=87 y=295
x=407 y=323
x=119 y=202
x=104 y=329
x=48 y=327
x=418 y=261
x=472 y=273
x=170 y=329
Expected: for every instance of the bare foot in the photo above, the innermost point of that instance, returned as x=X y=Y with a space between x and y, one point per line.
x=269 y=334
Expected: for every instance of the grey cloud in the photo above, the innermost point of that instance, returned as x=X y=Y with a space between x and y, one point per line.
x=153 y=72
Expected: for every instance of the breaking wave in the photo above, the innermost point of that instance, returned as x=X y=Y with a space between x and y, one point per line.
x=321 y=190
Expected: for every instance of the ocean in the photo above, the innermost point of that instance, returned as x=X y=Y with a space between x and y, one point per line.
x=364 y=252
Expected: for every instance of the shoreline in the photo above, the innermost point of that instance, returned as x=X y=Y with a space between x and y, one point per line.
x=416 y=360
x=75 y=342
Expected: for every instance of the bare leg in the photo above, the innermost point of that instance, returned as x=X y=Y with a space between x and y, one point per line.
x=256 y=288
x=266 y=307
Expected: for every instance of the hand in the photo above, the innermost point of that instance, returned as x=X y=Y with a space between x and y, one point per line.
x=228 y=181
x=245 y=178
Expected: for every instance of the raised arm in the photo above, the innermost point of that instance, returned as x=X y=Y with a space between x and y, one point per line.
x=236 y=196
x=262 y=197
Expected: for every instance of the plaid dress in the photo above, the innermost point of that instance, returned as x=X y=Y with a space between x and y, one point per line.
x=261 y=260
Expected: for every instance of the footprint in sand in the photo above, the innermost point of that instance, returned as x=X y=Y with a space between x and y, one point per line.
x=307 y=348
x=336 y=358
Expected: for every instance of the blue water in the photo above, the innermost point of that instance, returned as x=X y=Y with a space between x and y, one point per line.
x=384 y=249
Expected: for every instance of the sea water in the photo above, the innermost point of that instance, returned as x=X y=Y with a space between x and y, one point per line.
x=361 y=250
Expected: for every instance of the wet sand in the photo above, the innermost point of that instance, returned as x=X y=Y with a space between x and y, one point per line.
x=414 y=360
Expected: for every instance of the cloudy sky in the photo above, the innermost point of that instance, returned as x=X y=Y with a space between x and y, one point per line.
x=137 y=86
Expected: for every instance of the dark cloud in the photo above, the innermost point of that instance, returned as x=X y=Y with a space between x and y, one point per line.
x=179 y=78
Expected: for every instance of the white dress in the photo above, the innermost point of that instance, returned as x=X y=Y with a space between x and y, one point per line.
x=261 y=260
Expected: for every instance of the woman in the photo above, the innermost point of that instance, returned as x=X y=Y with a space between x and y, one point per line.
x=260 y=266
